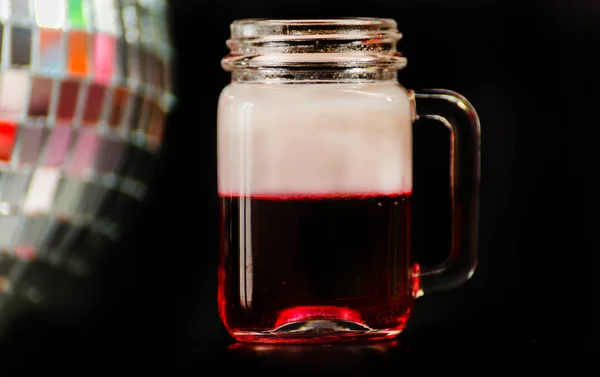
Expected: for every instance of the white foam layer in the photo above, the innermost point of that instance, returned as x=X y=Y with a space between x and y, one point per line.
x=315 y=139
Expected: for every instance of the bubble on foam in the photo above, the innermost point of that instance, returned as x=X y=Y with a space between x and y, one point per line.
x=314 y=140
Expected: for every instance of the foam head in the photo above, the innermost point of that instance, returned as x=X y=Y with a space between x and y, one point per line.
x=314 y=140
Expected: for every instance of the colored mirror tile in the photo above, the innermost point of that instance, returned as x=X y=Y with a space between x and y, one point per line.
x=13 y=188
x=58 y=145
x=111 y=151
x=50 y=51
x=19 y=9
x=120 y=98
x=145 y=68
x=84 y=153
x=4 y=10
x=14 y=84
x=168 y=79
x=59 y=231
x=160 y=24
x=155 y=65
x=31 y=144
x=50 y=13
x=9 y=226
x=133 y=64
x=130 y=24
x=105 y=50
x=157 y=123
x=71 y=246
x=144 y=120
x=34 y=232
x=94 y=104
x=78 y=17
x=40 y=98
x=106 y=17
x=41 y=191
x=130 y=161
x=147 y=29
x=92 y=198
x=150 y=69
x=67 y=104
x=21 y=46
x=121 y=62
x=162 y=79
x=107 y=203
x=68 y=196
x=8 y=135
x=77 y=58
x=135 y=112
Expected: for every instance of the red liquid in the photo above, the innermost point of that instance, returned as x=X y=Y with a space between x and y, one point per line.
x=309 y=269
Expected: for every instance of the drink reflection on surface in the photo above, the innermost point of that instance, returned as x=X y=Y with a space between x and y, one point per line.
x=338 y=355
x=314 y=186
x=270 y=349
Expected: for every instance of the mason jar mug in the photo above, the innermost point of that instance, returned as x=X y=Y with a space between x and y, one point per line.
x=315 y=175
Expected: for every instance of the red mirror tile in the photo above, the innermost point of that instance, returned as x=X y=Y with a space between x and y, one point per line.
x=94 y=104
x=157 y=123
x=8 y=135
x=67 y=103
x=120 y=98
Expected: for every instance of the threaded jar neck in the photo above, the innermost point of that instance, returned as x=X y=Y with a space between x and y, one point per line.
x=322 y=50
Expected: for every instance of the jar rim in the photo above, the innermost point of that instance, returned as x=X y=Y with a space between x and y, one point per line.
x=272 y=27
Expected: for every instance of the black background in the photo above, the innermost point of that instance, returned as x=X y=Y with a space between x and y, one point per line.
x=524 y=69
x=527 y=70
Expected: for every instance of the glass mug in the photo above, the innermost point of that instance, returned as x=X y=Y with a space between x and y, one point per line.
x=314 y=138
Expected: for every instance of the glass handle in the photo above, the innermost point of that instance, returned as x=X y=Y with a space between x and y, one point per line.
x=456 y=113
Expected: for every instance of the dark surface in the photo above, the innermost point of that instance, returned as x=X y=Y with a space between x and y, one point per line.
x=525 y=70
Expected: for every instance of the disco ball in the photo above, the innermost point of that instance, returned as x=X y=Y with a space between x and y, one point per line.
x=84 y=91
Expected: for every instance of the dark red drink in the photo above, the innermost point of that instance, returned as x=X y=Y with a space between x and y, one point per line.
x=314 y=268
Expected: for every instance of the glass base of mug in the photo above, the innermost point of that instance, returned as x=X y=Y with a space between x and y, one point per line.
x=320 y=324
x=316 y=331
